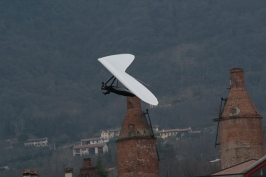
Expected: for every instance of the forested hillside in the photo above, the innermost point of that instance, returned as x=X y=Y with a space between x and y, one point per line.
x=50 y=77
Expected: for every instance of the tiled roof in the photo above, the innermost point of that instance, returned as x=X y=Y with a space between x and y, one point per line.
x=184 y=129
x=255 y=164
x=235 y=169
x=169 y=130
x=37 y=139
x=175 y=130
x=32 y=172
x=91 y=139
x=89 y=146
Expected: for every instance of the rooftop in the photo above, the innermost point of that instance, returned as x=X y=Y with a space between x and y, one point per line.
x=89 y=146
x=91 y=139
x=175 y=130
x=235 y=169
x=37 y=139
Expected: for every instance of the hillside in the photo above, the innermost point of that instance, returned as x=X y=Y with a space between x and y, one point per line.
x=50 y=77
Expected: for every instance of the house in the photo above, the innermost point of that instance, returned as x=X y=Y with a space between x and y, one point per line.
x=90 y=146
x=29 y=173
x=180 y=133
x=91 y=141
x=89 y=149
x=106 y=135
x=39 y=142
x=165 y=133
x=249 y=168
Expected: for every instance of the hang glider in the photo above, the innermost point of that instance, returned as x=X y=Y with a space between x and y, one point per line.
x=117 y=65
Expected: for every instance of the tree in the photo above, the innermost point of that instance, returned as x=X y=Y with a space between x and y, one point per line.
x=101 y=171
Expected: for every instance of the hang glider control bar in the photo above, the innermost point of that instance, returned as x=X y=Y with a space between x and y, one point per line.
x=115 y=89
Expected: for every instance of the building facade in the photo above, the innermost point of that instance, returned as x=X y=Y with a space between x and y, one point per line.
x=91 y=141
x=179 y=133
x=90 y=146
x=39 y=142
x=108 y=134
x=30 y=173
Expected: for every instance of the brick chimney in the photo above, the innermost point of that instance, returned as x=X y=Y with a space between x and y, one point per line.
x=241 y=132
x=237 y=79
x=136 y=145
x=26 y=173
x=30 y=173
x=87 y=162
x=88 y=169
x=68 y=172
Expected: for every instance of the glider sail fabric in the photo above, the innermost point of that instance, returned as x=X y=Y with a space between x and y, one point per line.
x=117 y=64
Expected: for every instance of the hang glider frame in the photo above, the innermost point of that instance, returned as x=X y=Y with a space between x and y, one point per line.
x=115 y=89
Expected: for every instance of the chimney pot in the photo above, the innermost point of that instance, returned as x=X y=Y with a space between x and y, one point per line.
x=237 y=78
x=68 y=172
x=133 y=103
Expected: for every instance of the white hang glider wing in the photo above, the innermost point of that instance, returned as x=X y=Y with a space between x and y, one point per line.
x=117 y=64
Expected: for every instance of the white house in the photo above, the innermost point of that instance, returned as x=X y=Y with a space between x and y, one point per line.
x=90 y=146
x=29 y=173
x=91 y=141
x=89 y=149
x=106 y=135
x=166 y=133
x=179 y=132
x=39 y=142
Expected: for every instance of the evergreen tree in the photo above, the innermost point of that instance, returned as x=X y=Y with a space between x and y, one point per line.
x=101 y=171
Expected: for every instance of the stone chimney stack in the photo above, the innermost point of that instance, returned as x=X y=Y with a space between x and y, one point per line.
x=26 y=173
x=68 y=172
x=241 y=132
x=237 y=79
x=30 y=173
x=136 y=146
x=88 y=169
x=87 y=162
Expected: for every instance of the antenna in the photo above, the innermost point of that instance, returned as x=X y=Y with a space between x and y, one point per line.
x=223 y=101
x=117 y=64
x=147 y=113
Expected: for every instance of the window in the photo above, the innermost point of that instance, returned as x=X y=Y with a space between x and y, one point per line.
x=92 y=151
x=100 y=149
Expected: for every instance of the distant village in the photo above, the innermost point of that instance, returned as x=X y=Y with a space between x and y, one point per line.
x=99 y=145
x=95 y=145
